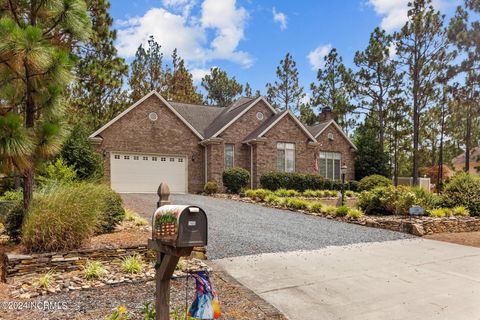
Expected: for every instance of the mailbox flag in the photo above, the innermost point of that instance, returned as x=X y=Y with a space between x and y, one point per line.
x=205 y=305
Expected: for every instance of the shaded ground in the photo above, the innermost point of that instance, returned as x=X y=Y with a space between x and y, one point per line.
x=237 y=228
x=236 y=303
x=465 y=238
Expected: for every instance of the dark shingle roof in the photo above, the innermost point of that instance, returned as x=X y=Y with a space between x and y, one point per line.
x=316 y=128
x=227 y=115
x=199 y=116
x=255 y=133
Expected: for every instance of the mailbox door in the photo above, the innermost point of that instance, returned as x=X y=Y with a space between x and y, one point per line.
x=192 y=228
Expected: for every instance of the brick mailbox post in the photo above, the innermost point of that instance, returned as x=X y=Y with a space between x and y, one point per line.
x=176 y=229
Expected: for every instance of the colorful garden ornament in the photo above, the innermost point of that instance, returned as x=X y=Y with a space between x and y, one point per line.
x=206 y=304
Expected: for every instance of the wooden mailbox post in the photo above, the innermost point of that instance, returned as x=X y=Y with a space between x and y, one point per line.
x=190 y=229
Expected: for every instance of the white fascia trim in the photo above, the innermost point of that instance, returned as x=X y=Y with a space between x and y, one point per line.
x=339 y=129
x=139 y=102
x=289 y=112
x=243 y=112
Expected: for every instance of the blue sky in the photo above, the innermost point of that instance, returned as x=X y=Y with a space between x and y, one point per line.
x=248 y=38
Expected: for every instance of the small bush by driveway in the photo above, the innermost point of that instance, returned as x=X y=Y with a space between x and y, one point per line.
x=237 y=229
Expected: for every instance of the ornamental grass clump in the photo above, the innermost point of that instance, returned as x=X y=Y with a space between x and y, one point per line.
x=65 y=217
x=316 y=206
x=274 y=200
x=286 y=193
x=309 y=193
x=93 y=270
x=329 y=210
x=354 y=213
x=133 y=264
x=438 y=213
x=294 y=203
x=460 y=211
x=46 y=280
x=261 y=194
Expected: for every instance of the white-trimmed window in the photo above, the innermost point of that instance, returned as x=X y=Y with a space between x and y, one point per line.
x=229 y=155
x=330 y=163
x=285 y=157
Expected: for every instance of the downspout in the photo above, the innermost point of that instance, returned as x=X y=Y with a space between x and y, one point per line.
x=206 y=159
x=251 y=164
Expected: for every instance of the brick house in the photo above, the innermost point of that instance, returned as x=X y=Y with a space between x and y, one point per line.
x=186 y=145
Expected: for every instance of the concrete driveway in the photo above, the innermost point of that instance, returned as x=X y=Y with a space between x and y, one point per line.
x=403 y=279
x=313 y=268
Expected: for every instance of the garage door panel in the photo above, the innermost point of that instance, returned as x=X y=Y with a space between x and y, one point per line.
x=144 y=173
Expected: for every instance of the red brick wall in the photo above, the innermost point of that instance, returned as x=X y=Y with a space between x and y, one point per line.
x=338 y=144
x=236 y=134
x=286 y=130
x=134 y=132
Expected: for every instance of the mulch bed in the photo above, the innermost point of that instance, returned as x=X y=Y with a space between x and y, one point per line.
x=236 y=302
x=464 y=238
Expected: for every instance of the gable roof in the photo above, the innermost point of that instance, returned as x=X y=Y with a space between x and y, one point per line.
x=232 y=113
x=320 y=127
x=199 y=116
x=155 y=93
x=270 y=123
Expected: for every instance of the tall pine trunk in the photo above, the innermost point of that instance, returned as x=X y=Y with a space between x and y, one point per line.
x=28 y=175
x=468 y=139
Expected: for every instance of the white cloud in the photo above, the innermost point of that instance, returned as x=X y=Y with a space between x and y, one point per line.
x=316 y=56
x=184 y=6
x=280 y=17
x=175 y=27
x=394 y=12
x=198 y=74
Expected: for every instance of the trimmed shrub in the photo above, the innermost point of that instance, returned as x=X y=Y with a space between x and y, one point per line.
x=353 y=185
x=14 y=219
x=374 y=181
x=341 y=211
x=426 y=199
x=387 y=200
x=463 y=190
x=211 y=187
x=234 y=179
x=65 y=218
x=354 y=213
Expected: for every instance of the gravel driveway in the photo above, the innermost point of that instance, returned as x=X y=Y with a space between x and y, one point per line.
x=238 y=229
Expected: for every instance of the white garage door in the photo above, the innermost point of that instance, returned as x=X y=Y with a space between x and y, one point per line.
x=143 y=173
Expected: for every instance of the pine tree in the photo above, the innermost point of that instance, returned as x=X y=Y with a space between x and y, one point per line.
x=97 y=92
x=35 y=69
x=180 y=84
x=221 y=90
x=377 y=83
x=369 y=159
x=334 y=88
x=421 y=48
x=147 y=71
x=307 y=115
x=286 y=92
x=248 y=90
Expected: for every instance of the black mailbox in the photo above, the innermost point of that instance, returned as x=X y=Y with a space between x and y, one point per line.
x=180 y=226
